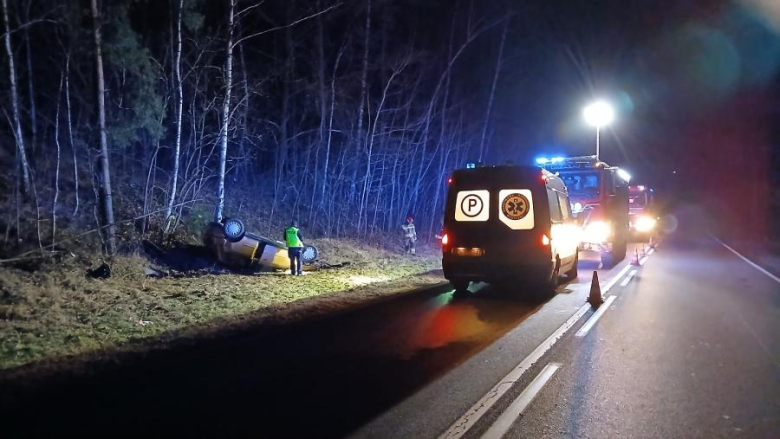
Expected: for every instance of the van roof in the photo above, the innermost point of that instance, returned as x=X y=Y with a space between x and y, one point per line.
x=504 y=171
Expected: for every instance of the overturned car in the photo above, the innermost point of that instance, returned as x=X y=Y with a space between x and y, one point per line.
x=234 y=247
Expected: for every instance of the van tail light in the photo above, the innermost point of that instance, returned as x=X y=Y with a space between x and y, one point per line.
x=445 y=240
x=545 y=240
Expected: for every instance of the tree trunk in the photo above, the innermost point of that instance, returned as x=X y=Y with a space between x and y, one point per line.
x=482 y=146
x=31 y=91
x=330 y=125
x=179 y=109
x=57 y=169
x=15 y=104
x=323 y=98
x=225 y=115
x=70 y=135
x=361 y=106
x=105 y=172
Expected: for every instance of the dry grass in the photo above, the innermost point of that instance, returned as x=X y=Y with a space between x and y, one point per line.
x=56 y=311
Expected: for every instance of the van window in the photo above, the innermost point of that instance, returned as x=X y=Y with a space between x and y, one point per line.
x=563 y=202
x=555 y=208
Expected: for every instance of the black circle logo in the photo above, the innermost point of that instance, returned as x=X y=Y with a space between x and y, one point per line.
x=471 y=205
x=515 y=206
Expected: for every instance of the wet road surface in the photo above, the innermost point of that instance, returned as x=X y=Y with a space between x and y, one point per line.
x=689 y=348
x=325 y=378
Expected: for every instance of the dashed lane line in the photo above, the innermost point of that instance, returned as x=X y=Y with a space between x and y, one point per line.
x=583 y=331
x=476 y=411
x=518 y=406
x=615 y=280
x=628 y=278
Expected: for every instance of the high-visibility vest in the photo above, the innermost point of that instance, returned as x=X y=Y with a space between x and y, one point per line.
x=291 y=237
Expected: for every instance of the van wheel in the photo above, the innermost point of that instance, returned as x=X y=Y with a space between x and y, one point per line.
x=552 y=285
x=461 y=287
x=572 y=273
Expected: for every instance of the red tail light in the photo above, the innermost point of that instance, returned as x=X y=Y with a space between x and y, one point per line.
x=445 y=240
x=450 y=180
x=545 y=240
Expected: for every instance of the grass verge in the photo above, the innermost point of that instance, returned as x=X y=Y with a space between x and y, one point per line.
x=56 y=311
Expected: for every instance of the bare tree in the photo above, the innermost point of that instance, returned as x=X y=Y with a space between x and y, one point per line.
x=17 y=125
x=223 y=133
x=359 y=138
x=107 y=205
x=30 y=81
x=482 y=146
x=70 y=134
x=57 y=166
x=179 y=108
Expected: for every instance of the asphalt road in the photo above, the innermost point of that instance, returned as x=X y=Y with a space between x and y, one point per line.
x=688 y=347
x=325 y=378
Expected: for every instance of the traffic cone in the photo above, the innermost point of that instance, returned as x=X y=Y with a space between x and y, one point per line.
x=594 y=298
x=635 y=259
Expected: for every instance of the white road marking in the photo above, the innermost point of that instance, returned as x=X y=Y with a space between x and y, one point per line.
x=518 y=406
x=756 y=266
x=465 y=422
x=612 y=283
x=583 y=331
x=476 y=411
x=628 y=278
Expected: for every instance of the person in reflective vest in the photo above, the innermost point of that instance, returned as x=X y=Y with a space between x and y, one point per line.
x=410 y=235
x=294 y=240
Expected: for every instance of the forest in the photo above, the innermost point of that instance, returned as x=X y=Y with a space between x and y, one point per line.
x=127 y=117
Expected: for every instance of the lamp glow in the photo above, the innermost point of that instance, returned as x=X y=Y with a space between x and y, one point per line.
x=599 y=114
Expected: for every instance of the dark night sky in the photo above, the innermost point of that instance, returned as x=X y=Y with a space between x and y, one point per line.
x=669 y=68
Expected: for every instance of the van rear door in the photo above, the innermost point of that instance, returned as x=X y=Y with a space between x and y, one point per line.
x=502 y=210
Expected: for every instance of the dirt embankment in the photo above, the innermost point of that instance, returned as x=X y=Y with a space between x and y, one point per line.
x=56 y=311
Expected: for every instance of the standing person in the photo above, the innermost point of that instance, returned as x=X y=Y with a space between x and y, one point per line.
x=294 y=240
x=410 y=235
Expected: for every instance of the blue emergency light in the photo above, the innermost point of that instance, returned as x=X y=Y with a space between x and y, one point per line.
x=470 y=165
x=549 y=161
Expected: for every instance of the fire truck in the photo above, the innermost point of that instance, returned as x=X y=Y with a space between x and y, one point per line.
x=642 y=214
x=599 y=199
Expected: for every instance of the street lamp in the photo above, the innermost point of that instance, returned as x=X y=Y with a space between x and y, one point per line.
x=598 y=114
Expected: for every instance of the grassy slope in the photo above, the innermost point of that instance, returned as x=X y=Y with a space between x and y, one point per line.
x=56 y=311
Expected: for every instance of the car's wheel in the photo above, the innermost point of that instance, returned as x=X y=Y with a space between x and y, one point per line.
x=234 y=229
x=309 y=254
x=572 y=273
